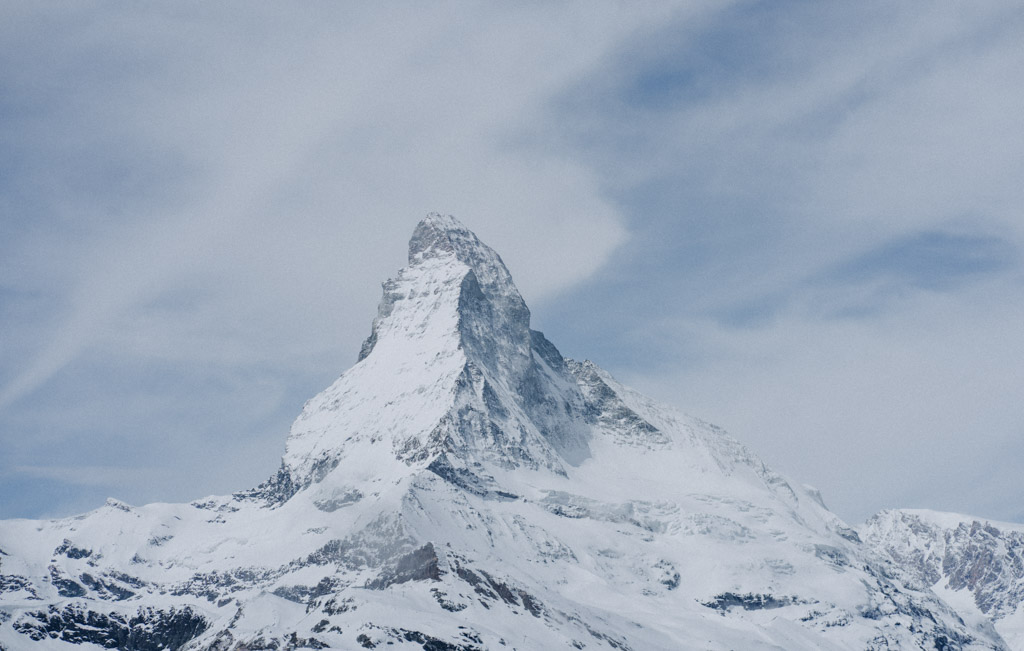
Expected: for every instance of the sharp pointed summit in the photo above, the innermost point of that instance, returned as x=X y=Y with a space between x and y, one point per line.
x=442 y=235
x=464 y=487
x=452 y=343
x=439 y=236
x=450 y=258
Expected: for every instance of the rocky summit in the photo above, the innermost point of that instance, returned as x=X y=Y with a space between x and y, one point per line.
x=464 y=487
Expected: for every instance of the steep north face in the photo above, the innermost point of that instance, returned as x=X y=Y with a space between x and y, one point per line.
x=464 y=486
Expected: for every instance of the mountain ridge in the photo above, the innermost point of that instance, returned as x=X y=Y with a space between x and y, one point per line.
x=976 y=563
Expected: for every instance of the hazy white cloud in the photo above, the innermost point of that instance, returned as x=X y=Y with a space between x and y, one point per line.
x=801 y=222
x=912 y=408
x=310 y=144
x=827 y=241
x=207 y=196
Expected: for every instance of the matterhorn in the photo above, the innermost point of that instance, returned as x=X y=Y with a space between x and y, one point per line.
x=465 y=487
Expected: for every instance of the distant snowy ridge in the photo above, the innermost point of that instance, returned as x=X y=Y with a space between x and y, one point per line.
x=465 y=487
x=974 y=563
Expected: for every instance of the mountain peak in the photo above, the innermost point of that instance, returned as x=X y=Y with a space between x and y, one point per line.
x=438 y=234
x=442 y=247
x=463 y=486
x=451 y=373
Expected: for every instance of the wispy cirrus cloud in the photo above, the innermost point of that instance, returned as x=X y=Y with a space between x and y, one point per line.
x=826 y=238
x=208 y=197
x=800 y=221
x=933 y=260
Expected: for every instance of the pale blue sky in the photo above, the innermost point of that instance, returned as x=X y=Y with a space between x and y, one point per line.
x=800 y=221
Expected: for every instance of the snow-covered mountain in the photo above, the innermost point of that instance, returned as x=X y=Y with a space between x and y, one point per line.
x=464 y=486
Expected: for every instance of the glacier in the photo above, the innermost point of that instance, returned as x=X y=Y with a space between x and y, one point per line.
x=463 y=486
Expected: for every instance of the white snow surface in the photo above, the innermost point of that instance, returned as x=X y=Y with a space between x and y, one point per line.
x=414 y=366
x=465 y=487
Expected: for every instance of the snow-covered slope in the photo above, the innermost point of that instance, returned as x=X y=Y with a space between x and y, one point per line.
x=975 y=565
x=465 y=487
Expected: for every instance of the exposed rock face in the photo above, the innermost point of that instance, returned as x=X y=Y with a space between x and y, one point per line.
x=464 y=486
x=980 y=560
x=147 y=630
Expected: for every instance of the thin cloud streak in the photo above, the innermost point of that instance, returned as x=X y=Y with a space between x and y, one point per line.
x=219 y=191
x=253 y=140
